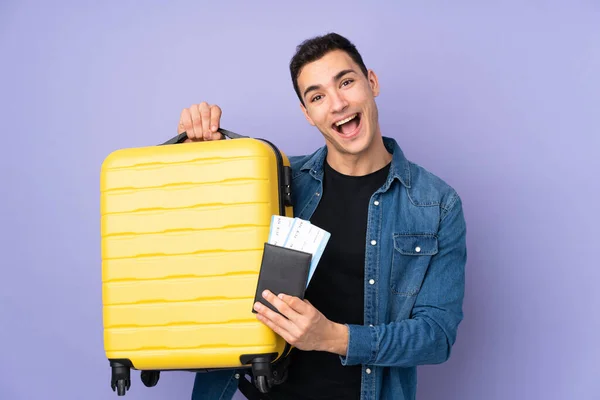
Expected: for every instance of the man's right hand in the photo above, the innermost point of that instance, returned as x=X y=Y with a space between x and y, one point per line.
x=201 y=122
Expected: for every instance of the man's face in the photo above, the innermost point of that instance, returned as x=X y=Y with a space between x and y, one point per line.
x=340 y=101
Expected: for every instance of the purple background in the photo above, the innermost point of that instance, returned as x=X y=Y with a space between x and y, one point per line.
x=502 y=101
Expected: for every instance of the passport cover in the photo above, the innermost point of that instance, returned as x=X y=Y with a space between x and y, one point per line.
x=282 y=270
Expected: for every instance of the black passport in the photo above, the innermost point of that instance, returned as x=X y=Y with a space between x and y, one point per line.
x=282 y=270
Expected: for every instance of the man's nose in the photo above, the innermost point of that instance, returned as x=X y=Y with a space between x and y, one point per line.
x=338 y=102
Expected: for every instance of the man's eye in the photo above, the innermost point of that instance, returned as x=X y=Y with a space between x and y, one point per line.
x=347 y=82
x=316 y=98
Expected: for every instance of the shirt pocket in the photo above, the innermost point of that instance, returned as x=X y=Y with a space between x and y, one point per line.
x=410 y=259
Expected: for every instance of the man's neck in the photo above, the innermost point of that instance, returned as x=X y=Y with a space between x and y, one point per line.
x=375 y=158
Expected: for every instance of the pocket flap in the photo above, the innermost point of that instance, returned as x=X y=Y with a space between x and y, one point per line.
x=416 y=244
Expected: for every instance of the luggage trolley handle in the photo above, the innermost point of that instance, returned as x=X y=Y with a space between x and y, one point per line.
x=183 y=136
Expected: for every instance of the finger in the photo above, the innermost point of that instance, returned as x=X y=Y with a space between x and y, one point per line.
x=281 y=305
x=281 y=331
x=185 y=123
x=205 y=116
x=277 y=318
x=295 y=303
x=215 y=117
x=216 y=136
x=184 y=119
x=196 y=123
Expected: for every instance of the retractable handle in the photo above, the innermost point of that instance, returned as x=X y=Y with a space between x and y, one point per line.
x=183 y=136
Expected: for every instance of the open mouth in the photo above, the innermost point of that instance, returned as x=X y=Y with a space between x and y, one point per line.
x=348 y=126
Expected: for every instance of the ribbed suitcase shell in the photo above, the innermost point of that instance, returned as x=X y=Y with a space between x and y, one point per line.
x=182 y=231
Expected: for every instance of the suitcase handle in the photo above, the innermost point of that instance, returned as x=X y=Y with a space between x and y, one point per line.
x=183 y=136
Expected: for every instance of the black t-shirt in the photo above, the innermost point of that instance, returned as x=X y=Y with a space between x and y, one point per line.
x=337 y=286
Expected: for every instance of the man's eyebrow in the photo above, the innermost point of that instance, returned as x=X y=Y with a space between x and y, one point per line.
x=337 y=77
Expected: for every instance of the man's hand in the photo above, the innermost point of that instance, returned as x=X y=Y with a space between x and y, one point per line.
x=305 y=327
x=201 y=122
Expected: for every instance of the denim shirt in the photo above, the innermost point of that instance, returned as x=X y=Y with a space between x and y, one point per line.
x=414 y=277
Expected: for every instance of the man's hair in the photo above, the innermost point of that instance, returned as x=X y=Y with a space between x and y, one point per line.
x=314 y=48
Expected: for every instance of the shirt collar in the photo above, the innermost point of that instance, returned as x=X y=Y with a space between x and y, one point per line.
x=399 y=168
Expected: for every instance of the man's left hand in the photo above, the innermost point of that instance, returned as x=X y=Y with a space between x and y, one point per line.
x=305 y=327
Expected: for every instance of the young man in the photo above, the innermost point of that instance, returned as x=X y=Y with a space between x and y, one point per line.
x=387 y=295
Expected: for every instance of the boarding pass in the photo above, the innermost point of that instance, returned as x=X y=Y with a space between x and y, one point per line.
x=299 y=234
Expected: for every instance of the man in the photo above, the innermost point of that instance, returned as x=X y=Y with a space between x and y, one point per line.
x=387 y=294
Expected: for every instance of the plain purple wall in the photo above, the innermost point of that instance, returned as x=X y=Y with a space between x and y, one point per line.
x=502 y=101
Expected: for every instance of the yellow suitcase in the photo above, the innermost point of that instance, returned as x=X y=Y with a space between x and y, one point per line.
x=182 y=235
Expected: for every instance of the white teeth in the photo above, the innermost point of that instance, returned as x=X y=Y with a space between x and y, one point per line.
x=350 y=118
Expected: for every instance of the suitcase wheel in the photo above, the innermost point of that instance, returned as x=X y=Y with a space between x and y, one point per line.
x=263 y=375
x=120 y=380
x=262 y=384
x=122 y=386
x=262 y=372
x=150 y=378
x=277 y=379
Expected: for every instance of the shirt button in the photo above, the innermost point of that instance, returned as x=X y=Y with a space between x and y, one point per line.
x=317 y=194
x=376 y=202
x=368 y=370
x=373 y=242
x=237 y=376
x=371 y=325
x=418 y=249
x=371 y=281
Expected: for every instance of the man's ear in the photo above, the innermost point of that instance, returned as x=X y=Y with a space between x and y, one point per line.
x=308 y=118
x=374 y=83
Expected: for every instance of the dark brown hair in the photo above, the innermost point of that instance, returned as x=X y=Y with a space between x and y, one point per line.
x=314 y=48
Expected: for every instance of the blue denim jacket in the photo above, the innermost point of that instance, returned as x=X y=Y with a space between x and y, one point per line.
x=414 y=278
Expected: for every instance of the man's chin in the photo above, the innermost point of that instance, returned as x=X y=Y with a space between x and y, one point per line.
x=352 y=148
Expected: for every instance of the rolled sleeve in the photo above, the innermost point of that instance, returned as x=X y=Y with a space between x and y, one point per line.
x=363 y=345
